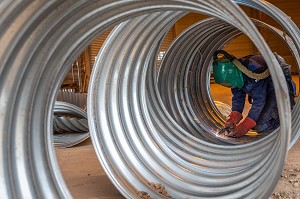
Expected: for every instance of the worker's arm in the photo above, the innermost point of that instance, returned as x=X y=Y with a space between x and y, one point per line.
x=258 y=92
x=238 y=100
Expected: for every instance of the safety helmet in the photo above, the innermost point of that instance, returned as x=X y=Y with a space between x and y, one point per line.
x=225 y=72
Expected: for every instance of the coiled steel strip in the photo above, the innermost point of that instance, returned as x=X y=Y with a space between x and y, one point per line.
x=65 y=124
x=78 y=99
x=293 y=33
x=124 y=108
x=40 y=39
x=184 y=77
x=70 y=130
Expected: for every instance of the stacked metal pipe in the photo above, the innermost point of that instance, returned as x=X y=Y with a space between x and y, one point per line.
x=138 y=140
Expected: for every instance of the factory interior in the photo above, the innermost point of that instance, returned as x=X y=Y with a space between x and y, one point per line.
x=80 y=167
x=125 y=129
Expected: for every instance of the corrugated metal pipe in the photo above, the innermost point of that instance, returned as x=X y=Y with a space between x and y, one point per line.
x=70 y=125
x=143 y=146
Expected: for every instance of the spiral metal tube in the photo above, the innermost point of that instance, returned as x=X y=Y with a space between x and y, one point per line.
x=65 y=124
x=70 y=130
x=184 y=78
x=78 y=99
x=135 y=137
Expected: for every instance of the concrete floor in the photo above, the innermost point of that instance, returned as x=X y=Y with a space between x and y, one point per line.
x=85 y=177
x=83 y=173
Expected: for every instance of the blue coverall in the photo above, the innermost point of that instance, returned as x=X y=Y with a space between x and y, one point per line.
x=264 y=107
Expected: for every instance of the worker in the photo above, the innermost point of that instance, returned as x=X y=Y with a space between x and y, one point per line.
x=250 y=75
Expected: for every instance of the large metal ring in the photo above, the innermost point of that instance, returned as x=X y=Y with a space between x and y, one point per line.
x=40 y=40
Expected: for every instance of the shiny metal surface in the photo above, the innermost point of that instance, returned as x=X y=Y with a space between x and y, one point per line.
x=70 y=125
x=186 y=66
x=78 y=99
x=135 y=137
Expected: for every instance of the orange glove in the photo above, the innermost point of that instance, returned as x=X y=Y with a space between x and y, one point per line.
x=242 y=128
x=234 y=118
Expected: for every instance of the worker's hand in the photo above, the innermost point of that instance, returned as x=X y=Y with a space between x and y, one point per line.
x=234 y=118
x=242 y=128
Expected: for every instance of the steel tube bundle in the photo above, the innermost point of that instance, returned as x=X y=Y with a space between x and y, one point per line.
x=136 y=137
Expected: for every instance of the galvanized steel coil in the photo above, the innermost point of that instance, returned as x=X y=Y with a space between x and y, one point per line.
x=185 y=72
x=70 y=125
x=135 y=137
x=78 y=99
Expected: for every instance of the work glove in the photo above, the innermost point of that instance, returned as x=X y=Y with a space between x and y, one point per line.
x=234 y=118
x=242 y=128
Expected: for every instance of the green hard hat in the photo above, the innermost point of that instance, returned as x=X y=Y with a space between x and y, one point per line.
x=225 y=72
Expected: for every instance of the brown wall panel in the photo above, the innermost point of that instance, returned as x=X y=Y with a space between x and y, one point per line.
x=187 y=21
x=241 y=47
x=96 y=45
